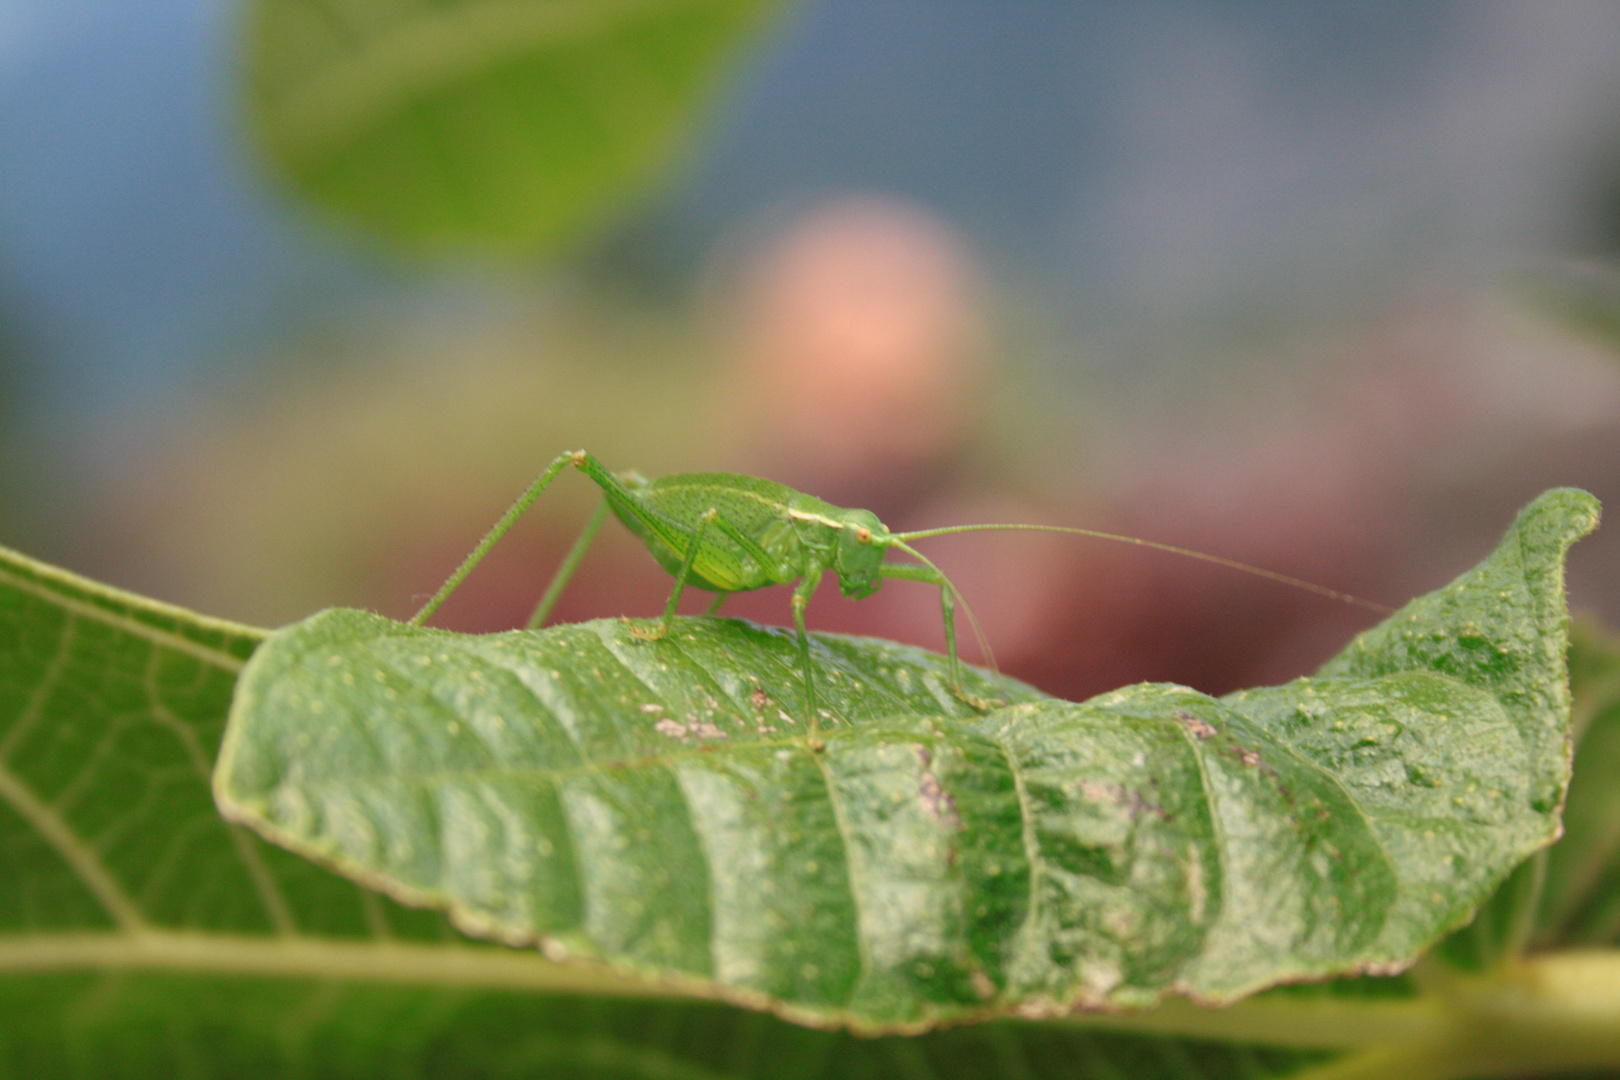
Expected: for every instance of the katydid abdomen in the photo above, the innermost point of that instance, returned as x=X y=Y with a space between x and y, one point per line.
x=753 y=506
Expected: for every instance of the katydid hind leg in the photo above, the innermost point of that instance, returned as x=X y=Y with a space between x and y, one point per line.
x=498 y=530
x=752 y=547
x=674 y=534
x=719 y=601
x=565 y=571
x=629 y=503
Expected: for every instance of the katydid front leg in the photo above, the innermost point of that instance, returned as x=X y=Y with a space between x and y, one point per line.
x=947 y=603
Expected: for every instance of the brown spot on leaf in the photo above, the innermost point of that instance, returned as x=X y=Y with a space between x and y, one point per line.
x=1200 y=728
x=935 y=799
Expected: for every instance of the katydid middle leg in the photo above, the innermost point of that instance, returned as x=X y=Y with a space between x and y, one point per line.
x=570 y=563
x=705 y=519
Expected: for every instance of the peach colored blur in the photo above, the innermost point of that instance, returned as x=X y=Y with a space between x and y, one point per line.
x=859 y=349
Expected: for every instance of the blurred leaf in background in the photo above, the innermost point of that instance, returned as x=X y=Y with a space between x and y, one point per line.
x=498 y=124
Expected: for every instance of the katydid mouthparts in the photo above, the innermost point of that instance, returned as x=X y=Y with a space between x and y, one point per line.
x=727 y=533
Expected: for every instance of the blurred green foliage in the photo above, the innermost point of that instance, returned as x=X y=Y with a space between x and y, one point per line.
x=507 y=125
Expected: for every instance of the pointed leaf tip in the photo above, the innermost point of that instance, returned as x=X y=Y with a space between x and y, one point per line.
x=1502 y=626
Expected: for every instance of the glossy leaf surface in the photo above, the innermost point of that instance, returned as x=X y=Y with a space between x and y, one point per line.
x=655 y=807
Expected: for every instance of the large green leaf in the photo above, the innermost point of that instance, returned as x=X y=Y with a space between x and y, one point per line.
x=142 y=936
x=500 y=124
x=657 y=808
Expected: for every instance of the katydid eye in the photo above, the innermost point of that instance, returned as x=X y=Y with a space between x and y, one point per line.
x=864 y=535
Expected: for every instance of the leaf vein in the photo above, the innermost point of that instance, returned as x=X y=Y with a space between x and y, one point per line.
x=35 y=706
x=78 y=854
x=1032 y=847
x=276 y=907
x=570 y=727
x=854 y=874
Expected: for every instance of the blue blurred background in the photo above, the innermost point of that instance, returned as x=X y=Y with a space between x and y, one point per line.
x=1309 y=285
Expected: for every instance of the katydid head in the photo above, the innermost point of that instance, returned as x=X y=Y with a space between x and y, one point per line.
x=863 y=541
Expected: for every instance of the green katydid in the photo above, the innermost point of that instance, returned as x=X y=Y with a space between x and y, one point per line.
x=727 y=532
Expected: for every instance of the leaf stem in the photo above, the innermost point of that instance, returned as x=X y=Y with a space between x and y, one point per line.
x=1414 y=1061
x=1541 y=1014
x=390 y=961
x=1560 y=1011
x=1288 y=1019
